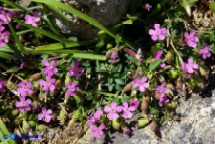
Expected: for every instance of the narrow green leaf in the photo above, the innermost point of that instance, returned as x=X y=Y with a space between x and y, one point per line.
x=154 y=64
x=48 y=34
x=4 y=130
x=7 y=56
x=57 y=46
x=19 y=43
x=89 y=56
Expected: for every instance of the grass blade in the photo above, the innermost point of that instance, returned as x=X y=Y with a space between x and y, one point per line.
x=14 y=5
x=4 y=130
x=57 y=46
x=7 y=56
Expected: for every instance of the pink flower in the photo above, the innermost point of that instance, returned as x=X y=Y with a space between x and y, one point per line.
x=138 y=55
x=76 y=70
x=190 y=66
x=5 y=17
x=127 y=110
x=162 y=64
x=97 y=131
x=113 y=111
x=162 y=100
x=50 y=69
x=32 y=20
x=2 y=85
x=205 y=51
x=23 y=104
x=158 y=54
x=3 y=36
x=191 y=39
x=114 y=56
x=92 y=120
x=158 y=33
x=46 y=115
x=72 y=89
x=25 y=88
x=148 y=7
x=134 y=103
x=141 y=83
x=162 y=89
x=49 y=84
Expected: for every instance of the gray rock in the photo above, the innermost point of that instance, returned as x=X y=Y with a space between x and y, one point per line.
x=196 y=126
x=107 y=12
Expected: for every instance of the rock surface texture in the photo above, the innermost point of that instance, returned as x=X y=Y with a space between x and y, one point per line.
x=197 y=126
x=107 y=12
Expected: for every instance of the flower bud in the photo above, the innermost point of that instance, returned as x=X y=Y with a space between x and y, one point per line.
x=62 y=116
x=153 y=126
x=145 y=104
x=201 y=85
x=68 y=79
x=14 y=113
x=41 y=128
x=203 y=72
x=173 y=74
x=25 y=126
x=169 y=56
x=127 y=87
x=32 y=123
x=116 y=124
x=179 y=83
x=71 y=122
x=77 y=114
x=171 y=105
x=35 y=77
x=10 y=85
x=170 y=86
x=142 y=123
x=36 y=86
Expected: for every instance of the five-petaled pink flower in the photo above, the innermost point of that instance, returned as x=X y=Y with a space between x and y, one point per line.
x=72 y=89
x=76 y=70
x=45 y=115
x=23 y=104
x=2 y=85
x=148 y=7
x=3 y=36
x=32 y=20
x=25 y=88
x=190 y=66
x=162 y=89
x=141 y=83
x=5 y=17
x=49 y=84
x=205 y=51
x=158 y=33
x=113 y=111
x=92 y=120
x=97 y=131
x=191 y=39
x=127 y=110
x=50 y=69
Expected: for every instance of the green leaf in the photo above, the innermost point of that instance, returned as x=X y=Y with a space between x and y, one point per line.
x=128 y=22
x=57 y=46
x=7 y=56
x=110 y=87
x=125 y=99
x=154 y=111
x=212 y=5
x=154 y=64
x=89 y=56
x=119 y=81
x=4 y=130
